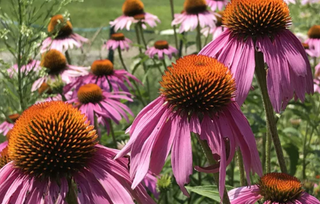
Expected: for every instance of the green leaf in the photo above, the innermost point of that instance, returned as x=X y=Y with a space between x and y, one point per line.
x=293 y=153
x=209 y=191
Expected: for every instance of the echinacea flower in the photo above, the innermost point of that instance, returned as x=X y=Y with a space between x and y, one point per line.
x=196 y=96
x=56 y=159
x=195 y=14
x=104 y=74
x=116 y=41
x=277 y=188
x=94 y=102
x=32 y=65
x=8 y=123
x=133 y=12
x=161 y=48
x=62 y=36
x=314 y=41
x=261 y=26
x=55 y=64
x=217 y=30
x=217 y=4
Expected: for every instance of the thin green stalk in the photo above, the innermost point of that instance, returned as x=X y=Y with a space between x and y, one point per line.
x=271 y=122
x=71 y=197
x=304 y=151
x=68 y=57
x=243 y=181
x=263 y=151
x=112 y=134
x=174 y=26
x=164 y=64
x=198 y=38
x=207 y=151
x=142 y=36
x=19 y=58
x=139 y=96
x=268 y=153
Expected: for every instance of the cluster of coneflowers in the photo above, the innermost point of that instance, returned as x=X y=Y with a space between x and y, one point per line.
x=52 y=153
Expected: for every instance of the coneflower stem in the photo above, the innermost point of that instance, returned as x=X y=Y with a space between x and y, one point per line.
x=241 y=169
x=165 y=65
x=142 y=36
x=198 y=37
x=268 y=152
x=112 y=134
x=263 y=152
x=121 y=59
x=174 y=26
x=71 y=197
x=208 y=153
x=270 y=119
x=68 y=57
x=133 y=81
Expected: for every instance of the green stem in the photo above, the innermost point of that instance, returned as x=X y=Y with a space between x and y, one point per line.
x=174 y=26
x=71 y=197
x=112 y=134
x=68 y=57
x=19 y=58
x=198 y=37
x=165 y=65
x=121 y=59
x=142 y=36
x=268 y=153
x=263 y=151
x=271 y=122
x=207 y=151
x=241 y=169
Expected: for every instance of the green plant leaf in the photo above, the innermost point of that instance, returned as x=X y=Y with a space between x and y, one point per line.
x=209 y=191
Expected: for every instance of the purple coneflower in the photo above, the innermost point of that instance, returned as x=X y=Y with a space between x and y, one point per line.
x=217 y=4
x=161 y=48
x=314 y=41
x=262 y=26
x=116 y=41
x=62 y=37
x=133 y=12
x=94 y=102
x=276 y=188
x=104 y=74
x=195 y=13
x=8 y=124
x=56 y=159
x=32 y=65
x=55 y=64
x=217 y=30
x=196 y=96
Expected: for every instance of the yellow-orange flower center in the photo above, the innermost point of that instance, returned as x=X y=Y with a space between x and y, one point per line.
x=54 y=61
x=4 y=157
x=13 y=117
x=256 y=17
x=132 y=7
x=139 y=17
x=280 y=187
x=117 y=36
x=44 y=88
x=102 y=67
x=59 y=26
x=219 y=18
x=199 y=84
x=51 y=139
x=314 y=32
x=195 y=6
x=90 y=93
x=161 y=44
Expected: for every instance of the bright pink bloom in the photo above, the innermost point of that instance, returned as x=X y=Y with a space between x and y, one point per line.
x=103 y=74
x=32 y=65
x=161 y=48
x=186 y=106
x=314 y=41
x=73 y=158
x=56 y=66
x=217 y=4
x=217 y=30
x=92 y=101
x=289 y=72
x=116 y=41
x=63 y=37
x=5 y=127
x=289 y=192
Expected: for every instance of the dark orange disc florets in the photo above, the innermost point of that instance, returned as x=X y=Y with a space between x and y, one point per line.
x=314 y=32
x=161 y=44
x=54 y=61
x=117 y=36
x=199 y=84
x=59 y=26
x=195 y=6
x=4 y=157
x=132 y=7
x=102 y=67
x=90 y=93
x=280 y=187
x=12 y=118
x=51 y=139
x=256 y=17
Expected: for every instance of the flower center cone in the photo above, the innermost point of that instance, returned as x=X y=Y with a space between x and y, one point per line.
x=132 y=7
x=60 y=27
x=90 y=93
x=314 y=32
x=102 y=67
x=161 y=44
x=54 y=61
x=195 y=6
